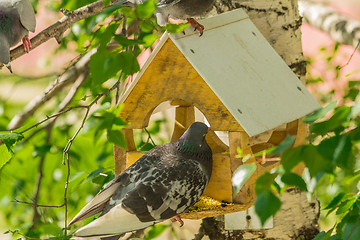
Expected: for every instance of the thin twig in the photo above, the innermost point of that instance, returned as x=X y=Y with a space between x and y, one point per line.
x=39 y=205
x=69 y=76
x=149 y=137
x=355 y=50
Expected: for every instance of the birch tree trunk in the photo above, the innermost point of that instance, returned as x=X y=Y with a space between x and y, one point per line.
x=279 y=22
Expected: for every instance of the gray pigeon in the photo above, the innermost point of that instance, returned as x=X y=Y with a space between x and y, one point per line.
x=17 y=18
x=163 y=183
x=178 y=9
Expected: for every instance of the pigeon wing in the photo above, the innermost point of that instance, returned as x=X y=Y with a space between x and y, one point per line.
x=162 y=194
x=98 y=203
x=167 y=192
x=26 y=13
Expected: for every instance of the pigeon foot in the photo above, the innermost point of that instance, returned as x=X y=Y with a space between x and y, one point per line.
x=197 y=26
x=26 y=43
x=177 y=218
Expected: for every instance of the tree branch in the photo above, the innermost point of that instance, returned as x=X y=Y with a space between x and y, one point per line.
x=69 y=76
x=341 y=28
x=57 y=30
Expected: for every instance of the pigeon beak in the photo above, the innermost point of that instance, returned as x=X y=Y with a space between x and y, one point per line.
x=9 y=67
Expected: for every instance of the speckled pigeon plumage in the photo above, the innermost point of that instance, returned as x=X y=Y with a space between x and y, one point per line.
x=163 y=183
x=17 y=18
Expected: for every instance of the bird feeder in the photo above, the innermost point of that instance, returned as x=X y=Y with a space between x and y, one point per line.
x=241 y=85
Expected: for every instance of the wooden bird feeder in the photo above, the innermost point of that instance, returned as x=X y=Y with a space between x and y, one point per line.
x=241 y=85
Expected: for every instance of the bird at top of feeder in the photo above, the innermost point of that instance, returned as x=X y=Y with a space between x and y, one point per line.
x=163 y=183
x=17 y=18
x=178 y=9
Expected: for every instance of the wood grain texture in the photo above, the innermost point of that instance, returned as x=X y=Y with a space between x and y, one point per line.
x=220 y=187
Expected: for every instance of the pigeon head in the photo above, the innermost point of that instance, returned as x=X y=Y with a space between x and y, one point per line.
x=193 y=141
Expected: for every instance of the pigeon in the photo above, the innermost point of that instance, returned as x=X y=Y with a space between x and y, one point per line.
x=17 y=18
x=178 y=9
x=163 y=183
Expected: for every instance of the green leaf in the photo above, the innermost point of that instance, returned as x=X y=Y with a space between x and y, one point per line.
x=319 y=113
x=146 y=9
x=149 y=39
x=321 y=235
x=10 y=139
x=267 y=205
x=94 y=174
x=175 y=28
x=291 y=157
x=351 y=230
x=345 y=206
x=293 y=179
x=264 y=182
x=315 y=162
x=241 y=175
x=335 y=201
x=155 y=231
x=5 y=156
x=288 y=141
x=338 y=150
x=335 y=122
x=116 y=137
x=146 y=26
x=128 y=62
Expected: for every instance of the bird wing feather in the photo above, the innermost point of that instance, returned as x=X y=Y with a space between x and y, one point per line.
x=98 y=203
x=26 y=13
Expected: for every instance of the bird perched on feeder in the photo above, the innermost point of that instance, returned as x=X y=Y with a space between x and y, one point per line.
x=163 y=183
x=17 y=18
x=178 y=9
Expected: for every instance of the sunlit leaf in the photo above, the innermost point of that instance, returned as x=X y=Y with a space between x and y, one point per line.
x=10 y=139
x=175 y=28
x=336 y=121
x=318 y=114
x=146 y=9
x=241 y=175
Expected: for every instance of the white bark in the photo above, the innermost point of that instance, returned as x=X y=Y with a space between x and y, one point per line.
x=341 y=28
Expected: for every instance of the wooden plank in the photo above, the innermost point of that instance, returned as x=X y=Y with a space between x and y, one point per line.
x=215 y=212
x=220 y=187
x=119 y=160
x=184 y=117
x=132 y=157
x=246 y=73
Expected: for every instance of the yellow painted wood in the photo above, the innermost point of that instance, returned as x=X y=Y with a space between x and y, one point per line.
x=220 y=187
x=300 y=139
x=246 y=193
x=132 y=157
x=171 y=77
x=119 y=160
x=184 y=117
x=215 y=212
x=129 y=138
